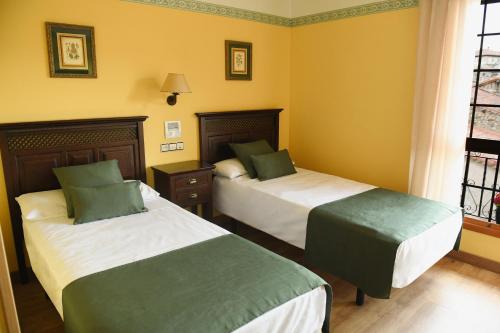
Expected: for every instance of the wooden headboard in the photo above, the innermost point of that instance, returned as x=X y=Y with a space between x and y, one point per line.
x=217 y=129
x=31 y=150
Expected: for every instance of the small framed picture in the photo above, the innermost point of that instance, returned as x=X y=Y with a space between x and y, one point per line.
x=238 y=60
x=71 y=50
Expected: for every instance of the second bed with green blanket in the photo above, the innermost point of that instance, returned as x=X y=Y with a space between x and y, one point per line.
x=217 y=285
x=374 y=238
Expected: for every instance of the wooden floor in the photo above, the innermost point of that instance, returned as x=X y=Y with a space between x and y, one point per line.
x=451 y=297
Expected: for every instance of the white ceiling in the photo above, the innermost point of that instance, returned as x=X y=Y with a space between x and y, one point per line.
x=308 y=7
x=290 y=8
x=274 y=7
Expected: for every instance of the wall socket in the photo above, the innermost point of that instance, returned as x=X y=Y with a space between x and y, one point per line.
x=166 y=147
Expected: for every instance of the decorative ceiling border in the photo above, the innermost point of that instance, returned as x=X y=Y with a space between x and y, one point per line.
x=219 y=10
x=244 y=14
x=362 y=10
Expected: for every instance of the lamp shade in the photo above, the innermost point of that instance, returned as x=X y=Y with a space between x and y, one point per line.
x=175 y=83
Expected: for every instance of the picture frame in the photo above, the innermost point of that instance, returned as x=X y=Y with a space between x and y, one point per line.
x=71 y=50
x=238 y=60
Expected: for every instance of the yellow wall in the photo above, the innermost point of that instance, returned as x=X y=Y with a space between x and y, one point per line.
x=352 y=95
x=136 y=46
x=481 y=245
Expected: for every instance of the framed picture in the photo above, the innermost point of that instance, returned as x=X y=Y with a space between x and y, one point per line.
x=71 y=50
x=238 y=60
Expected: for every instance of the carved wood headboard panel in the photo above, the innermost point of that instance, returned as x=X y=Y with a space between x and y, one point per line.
x=217 y=129
x=31 y=150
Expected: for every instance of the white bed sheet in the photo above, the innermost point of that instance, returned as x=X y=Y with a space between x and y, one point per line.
x=61 y=252
x=280 y=207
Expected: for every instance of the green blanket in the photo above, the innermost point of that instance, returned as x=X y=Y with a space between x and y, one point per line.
x=214 y=286
x=357 y=238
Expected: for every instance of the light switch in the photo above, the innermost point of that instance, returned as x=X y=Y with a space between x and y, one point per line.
x=180 y=145
x=172 y=146
x=164 y=147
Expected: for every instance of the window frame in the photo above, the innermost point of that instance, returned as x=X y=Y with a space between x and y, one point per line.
x=481 y=145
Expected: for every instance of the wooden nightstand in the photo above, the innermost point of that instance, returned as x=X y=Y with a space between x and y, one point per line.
x=187 y=184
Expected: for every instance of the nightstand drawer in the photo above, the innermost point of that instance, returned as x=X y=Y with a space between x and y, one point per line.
x=192 y=196
x=192 y=180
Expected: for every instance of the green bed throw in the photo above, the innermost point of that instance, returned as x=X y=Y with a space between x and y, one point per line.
x=357 y=238
x=217 y=285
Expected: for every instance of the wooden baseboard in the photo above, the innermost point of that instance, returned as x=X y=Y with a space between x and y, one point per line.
x=476 y=260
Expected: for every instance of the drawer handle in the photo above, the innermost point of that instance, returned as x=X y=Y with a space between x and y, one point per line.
x=193 y=195
x=192 y=181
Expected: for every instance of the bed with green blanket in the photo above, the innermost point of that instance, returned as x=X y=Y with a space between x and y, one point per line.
x=214 y=286
x=374 y=238
x=167 y=270
x=357 y=238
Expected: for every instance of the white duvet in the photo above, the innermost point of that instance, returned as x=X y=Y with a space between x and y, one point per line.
x=61 y=252
x=280 y=207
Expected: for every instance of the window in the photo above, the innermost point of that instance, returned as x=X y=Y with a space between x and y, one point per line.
x=481 y=178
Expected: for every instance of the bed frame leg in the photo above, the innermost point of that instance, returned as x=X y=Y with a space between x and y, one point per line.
x=19 y=245
x=360 y=297
x=23 y=270
x=234 y=226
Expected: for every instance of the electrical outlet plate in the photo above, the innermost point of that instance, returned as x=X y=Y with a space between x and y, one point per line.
x=180 y=145
x=172 y=146
x=164 y=147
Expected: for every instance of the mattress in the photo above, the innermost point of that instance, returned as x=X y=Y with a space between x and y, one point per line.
x=61 y=252
x=280 y=207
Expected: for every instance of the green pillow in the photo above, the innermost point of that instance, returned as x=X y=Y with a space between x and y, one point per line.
x=244 y=150
x=87 y=175
x=273 y=165
x=104 y=202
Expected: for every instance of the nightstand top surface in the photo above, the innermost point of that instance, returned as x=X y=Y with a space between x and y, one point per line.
x=183 y=167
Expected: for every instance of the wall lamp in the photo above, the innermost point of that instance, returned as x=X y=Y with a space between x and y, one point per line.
x=175 y=84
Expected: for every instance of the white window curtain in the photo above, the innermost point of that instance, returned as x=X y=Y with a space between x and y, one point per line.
x=445 y=58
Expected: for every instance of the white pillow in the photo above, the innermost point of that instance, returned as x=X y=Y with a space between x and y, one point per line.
x=51 y=204
x=42 y=205
x=230 y=168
